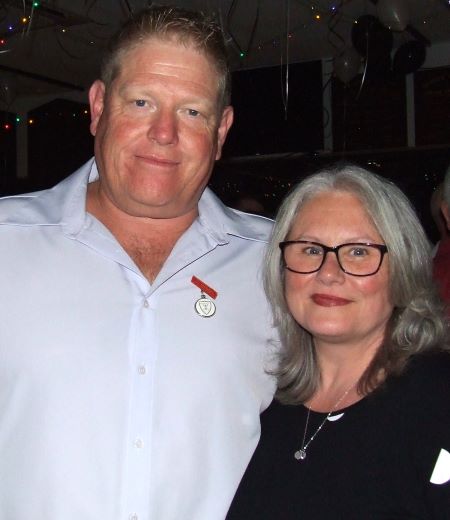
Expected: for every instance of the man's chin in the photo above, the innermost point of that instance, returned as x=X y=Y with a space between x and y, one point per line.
x=158 y=210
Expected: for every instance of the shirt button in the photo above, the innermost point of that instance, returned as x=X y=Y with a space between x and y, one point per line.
x=133 y=516
x=146 y=304
x=139 y=443
x=142 y=370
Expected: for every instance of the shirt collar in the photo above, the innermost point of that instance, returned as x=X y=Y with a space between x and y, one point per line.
x=65 y=205
x=221 y=221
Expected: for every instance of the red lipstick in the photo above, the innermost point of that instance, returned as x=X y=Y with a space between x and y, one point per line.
x=328 y=300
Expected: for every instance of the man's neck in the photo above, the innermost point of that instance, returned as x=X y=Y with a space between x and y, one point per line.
x=148 y=241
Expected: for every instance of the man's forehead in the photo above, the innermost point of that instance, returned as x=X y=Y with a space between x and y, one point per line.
x=165 y=60
x=174 y=42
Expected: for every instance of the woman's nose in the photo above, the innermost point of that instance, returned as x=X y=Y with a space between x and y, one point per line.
x=331 y=270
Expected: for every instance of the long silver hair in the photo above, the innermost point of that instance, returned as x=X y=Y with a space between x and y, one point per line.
x=417 y=322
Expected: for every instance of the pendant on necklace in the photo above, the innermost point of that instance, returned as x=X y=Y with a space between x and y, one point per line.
x=300 y=454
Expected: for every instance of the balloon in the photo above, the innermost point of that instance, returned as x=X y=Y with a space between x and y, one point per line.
x=373 y=41
x=369 y=36
x=409 y=57
x=378 y=69
x=393 y=14
x=346 y=65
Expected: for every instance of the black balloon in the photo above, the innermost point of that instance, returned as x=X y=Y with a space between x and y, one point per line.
x=378 y=69
x=369 y=36
x=374 y=42
x=409 y=57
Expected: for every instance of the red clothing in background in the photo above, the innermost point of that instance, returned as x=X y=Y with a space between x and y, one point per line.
x=441 y=270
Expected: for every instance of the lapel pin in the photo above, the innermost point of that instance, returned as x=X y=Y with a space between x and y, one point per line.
x=204 y=307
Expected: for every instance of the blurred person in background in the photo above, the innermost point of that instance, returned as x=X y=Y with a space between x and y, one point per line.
x=437 y=216
x=441 y=260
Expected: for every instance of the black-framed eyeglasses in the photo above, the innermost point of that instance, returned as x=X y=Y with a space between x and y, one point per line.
x=354 y=258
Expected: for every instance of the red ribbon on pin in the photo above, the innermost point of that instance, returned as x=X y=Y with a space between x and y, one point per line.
x=204 y=287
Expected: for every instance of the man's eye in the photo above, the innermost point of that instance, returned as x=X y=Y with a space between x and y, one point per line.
x=192 y=112
x=140 y=102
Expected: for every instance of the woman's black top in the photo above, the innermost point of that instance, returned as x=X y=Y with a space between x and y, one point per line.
x=387 y=457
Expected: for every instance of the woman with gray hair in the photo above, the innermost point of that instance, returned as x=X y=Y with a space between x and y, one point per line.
x=361 y=425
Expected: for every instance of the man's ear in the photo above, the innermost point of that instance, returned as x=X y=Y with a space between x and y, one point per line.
x=225 y=124
x=446 y=212
x=96 y=103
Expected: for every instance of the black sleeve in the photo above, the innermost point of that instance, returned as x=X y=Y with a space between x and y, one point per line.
x=431 y=433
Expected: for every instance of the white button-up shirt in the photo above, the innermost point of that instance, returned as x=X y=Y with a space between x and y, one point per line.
x=117 y=400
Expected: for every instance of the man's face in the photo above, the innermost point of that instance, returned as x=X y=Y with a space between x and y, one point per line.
x=158 y=130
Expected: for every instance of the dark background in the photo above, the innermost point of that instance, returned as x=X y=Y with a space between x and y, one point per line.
x=270 y=148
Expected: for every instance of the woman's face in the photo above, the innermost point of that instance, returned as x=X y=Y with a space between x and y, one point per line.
x=333 y=306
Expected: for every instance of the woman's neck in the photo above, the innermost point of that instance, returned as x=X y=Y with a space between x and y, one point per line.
x=341 y=367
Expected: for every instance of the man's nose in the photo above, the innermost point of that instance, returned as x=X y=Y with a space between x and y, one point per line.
x=163 y=128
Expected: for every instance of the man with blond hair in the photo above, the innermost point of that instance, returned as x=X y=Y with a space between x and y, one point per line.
x=135 y=335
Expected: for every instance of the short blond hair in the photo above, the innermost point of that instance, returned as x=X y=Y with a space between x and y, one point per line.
x=168 y=23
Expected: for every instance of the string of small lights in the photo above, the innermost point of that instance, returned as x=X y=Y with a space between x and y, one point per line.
x=319 y=13
x=9 y=121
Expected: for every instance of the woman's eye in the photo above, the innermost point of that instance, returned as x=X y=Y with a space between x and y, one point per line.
x=312 y=250
x=359 y=251
x=140 y=102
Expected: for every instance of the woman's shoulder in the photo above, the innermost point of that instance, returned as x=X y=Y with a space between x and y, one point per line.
x=429 y=368
x=279 y=412
x=280 y=422
x=424 y=381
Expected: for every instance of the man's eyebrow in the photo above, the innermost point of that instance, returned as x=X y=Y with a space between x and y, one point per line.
x=144 y=89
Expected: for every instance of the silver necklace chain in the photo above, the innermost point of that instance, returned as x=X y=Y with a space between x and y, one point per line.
x=301 y=453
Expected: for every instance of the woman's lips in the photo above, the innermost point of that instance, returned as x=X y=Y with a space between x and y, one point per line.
x=328 y=300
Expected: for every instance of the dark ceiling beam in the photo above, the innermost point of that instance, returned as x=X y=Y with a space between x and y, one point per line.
x=43 y=17
x=57 y=16
x=45 y=79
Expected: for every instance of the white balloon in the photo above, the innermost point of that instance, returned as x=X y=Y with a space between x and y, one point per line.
x=394 y=14
x=347 y=64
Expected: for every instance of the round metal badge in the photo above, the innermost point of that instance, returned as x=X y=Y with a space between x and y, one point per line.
x=205 y=308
